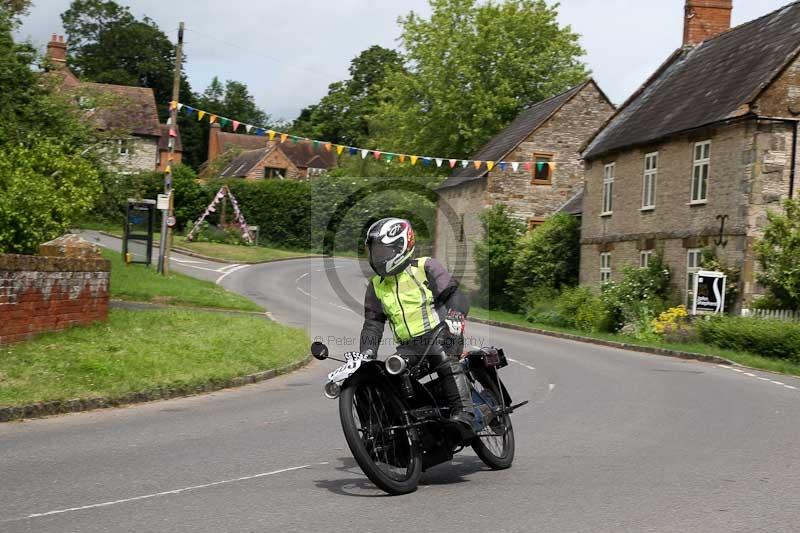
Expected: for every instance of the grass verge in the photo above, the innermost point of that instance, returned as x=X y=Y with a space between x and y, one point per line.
x=142 y=284
x=742 y=358
x=214 y=250
x=142 y=350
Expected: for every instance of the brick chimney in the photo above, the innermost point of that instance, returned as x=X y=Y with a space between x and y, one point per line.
x=705 y=19
x=213 y=142
x=57 y=50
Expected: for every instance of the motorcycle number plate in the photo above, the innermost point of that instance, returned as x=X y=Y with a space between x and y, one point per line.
x=353 y=363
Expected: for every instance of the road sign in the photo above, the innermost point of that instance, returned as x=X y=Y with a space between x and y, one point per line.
x=163 y=202
x=171 y=222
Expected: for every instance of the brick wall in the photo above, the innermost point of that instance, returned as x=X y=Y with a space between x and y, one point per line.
x=276 y=159
x=705 y=19
x=66 y=287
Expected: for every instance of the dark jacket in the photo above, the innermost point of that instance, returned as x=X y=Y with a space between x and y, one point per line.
x=442 y=285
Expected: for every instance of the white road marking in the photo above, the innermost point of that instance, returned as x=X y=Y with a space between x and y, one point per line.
x=521 y=364
x=297 y=286
x=227 y=267
x=551 y=387
x=184 y=261
x=168 y=492
x=760 y=378
x=306 y=293
x=301 y=276
x=199 y=268
x=231 y=271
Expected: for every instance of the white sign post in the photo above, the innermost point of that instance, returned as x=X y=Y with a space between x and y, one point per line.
x=709 y=293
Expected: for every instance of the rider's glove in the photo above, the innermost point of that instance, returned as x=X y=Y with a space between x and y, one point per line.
x=455 y=322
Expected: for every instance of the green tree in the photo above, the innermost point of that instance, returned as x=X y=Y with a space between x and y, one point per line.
x=547 y=257
x=779 y=254
x=48 y=174
x=494 y=255
x=342 y=116
x=107 y=44
x=472 y=67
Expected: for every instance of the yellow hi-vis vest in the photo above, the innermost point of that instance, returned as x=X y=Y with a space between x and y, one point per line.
x=407 y=301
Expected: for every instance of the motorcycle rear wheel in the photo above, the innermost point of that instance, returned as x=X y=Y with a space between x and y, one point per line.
x=389 y=457
x=494 y=444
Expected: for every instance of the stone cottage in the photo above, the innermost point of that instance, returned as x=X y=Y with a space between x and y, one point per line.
x=552 y=131
x=698 y=155
x=260 y=158
x=137 y=141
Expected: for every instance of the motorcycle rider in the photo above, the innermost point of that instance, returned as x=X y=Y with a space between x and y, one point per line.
x=414 y=296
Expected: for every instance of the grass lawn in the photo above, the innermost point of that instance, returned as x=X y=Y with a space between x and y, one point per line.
x=224 y=252
x=234 y=253
x=142 y=284
x=743 y=358
x=142 y=350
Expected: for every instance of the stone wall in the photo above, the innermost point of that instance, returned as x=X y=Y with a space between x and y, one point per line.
x=142 y=158
x=749 y=174
x=67 y=285
x=561 y=137
x=456 y=235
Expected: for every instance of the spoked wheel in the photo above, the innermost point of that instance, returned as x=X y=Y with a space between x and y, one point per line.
x=495 y=443
x=388 y=455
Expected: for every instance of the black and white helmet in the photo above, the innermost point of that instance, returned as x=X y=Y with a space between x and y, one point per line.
x=390 y=244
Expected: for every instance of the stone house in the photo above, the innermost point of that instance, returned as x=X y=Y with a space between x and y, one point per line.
x=552 y=131
x=696 y=157
x=260 y=158
x=137 y=141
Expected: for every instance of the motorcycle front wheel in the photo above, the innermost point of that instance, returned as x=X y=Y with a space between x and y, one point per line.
x=388 y=454
x=495 y=443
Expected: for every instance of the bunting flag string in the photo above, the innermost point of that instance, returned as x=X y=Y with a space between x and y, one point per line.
x=379 y=155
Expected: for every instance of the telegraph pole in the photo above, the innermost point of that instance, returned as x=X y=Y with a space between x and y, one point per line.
x=166 y=231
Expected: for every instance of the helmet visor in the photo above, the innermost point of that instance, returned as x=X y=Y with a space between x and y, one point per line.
x=380 y=254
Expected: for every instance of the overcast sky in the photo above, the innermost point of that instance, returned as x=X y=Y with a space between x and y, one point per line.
x=288 y=51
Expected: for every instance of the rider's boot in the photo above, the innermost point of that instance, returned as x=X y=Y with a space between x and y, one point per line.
x=459 y=396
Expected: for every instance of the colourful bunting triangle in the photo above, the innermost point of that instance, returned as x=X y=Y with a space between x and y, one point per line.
x=502 y=165
x=260 y=132
x=490 y=165
x=283 y=137
x=364 y=153
x=353 y=150
x=248 y=127
x=477 y=164
x=528 y=166
x=414 y=160
x=315 y=144
x=271 y=134
x=464 y=163
x=212 y=119
x=389 y=158
x=339 y=149
x=426 y=161
x=377 y=155
x=515 y=166
x=439 y=162
x=327 y=146
x=453 y=163
x=402 y=158
x=235 y=125
x=200 y=115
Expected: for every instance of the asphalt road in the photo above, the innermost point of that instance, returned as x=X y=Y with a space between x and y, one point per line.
x=611 y=441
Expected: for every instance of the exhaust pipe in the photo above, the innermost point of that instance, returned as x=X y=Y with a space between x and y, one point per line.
x=332 y=390
x=395 y=365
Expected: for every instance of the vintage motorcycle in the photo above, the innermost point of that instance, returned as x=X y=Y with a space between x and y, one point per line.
x=397 y=426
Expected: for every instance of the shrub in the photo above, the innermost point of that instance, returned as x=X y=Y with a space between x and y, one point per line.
x=673 y=325
x=547 y=257
x=581 y=308
x=779 y=254
x=639 y=292
x=539 y=306
x=494 y=255
x=768 y=338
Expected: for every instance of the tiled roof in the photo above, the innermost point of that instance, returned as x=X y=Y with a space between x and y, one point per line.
x=128 y=109
x=240 y=140
x=706 y=84
x=504 y=142
x=242 y=164
x=302 y=154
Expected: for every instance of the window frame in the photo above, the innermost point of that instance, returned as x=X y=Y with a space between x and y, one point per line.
x=605 y=267
x=548 y=159
x=692 y=271
x=649 y=182
x=267 y=175
x=644 y=258
x=699 y=189
x=125 y=147
x=609 y=176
